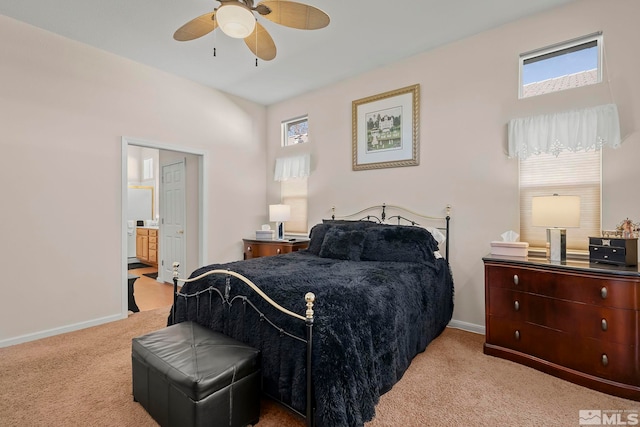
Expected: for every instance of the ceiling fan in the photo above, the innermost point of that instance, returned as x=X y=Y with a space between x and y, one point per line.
x=236 y=19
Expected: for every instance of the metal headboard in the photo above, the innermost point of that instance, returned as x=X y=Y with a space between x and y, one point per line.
x=383 y=217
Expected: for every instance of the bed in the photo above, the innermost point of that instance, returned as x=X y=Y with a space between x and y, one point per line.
x=375 y=295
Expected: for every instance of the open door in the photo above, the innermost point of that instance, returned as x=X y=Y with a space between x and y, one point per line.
x=173 y=221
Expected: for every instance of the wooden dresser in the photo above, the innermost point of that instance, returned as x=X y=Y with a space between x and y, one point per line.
x=256 y=248
x=574 y=320
x=147 y=245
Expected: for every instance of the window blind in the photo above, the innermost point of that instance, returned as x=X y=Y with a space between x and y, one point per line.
x=293 y=192
x=568 y=174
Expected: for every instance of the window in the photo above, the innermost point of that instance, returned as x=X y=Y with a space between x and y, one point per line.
x=566 y=65
x=568 y=174
x=293 y=192
x=295 y=131
x=147 y=169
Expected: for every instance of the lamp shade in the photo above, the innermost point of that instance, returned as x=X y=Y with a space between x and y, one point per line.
x=279 y=213
x=555 y=211
x=235 y=20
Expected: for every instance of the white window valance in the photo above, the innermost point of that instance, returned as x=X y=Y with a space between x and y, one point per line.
x=575 y=130
x=292 y=167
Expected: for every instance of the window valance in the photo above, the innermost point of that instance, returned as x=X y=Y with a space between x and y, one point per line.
x=575 y=130
x=292 y=167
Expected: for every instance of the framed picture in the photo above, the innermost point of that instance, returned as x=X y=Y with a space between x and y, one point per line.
x=385 y=129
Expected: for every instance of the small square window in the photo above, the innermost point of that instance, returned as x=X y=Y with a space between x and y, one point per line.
x=295 y=131
x=562 y=66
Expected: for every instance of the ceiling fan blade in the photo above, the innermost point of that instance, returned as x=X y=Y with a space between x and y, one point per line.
x=263 y=46
x=195 y=28
x=295 y=15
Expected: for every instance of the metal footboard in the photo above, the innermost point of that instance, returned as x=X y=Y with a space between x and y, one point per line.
x=227 y=301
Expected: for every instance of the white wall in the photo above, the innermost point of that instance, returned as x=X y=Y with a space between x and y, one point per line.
x=64 y=107
x=469 y=91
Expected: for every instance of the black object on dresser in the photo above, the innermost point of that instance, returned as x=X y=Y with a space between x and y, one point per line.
x=578 y=321
x=613 y=251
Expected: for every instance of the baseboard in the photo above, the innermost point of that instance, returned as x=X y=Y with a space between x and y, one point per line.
x=465 y=326
x=61 y=330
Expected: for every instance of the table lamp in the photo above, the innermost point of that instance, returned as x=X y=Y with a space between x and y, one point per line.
x=556 y=212
x=279 y=214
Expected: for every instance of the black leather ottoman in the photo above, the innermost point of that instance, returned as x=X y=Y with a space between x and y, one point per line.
x=189 y=375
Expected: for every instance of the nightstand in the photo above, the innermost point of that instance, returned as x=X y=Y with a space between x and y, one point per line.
x=256 y=248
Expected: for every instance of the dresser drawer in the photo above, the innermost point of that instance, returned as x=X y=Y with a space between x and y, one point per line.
x=263 y=247
x=250 y=252
x=618 y=292
x=609 y=360
x=602 y=323
x=270 y=250
x=258 y=250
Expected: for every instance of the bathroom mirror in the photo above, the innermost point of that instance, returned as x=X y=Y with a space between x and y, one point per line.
x=141 y=202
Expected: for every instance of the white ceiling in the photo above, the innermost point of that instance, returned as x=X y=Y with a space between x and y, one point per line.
x=362 y=35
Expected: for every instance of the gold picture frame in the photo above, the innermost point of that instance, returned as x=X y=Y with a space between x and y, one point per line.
x=385 y=129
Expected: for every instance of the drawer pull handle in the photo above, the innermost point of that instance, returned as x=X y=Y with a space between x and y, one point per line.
x=516 y=305
x=604 y=292
x=605 y=360
x=614 y=251
x=248 y=248
x=517 y=335
x=278 y=250
x=595 y=249
x=606 y=256
x=604 y=324
x=516 y=279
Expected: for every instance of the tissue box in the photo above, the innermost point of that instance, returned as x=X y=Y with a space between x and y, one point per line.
x=510 y=248
x=265 y=234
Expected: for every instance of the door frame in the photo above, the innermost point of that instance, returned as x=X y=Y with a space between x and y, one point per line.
x=203 y=204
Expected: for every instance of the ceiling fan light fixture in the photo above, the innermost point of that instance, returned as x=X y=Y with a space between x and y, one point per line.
x=236 y=20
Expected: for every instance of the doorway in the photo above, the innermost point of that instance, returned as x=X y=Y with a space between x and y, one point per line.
x=194 y=224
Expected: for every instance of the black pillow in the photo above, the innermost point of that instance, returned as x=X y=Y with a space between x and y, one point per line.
x=401 y=243
x=316 y=236
x=318 y=231
x=342 y=244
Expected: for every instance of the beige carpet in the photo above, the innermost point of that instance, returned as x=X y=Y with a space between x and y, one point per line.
x=84 y=378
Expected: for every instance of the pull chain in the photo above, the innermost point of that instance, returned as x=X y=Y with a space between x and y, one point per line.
x=214 y=35
x=256 y=42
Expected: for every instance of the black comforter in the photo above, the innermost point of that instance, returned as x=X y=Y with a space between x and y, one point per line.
x=371 y=319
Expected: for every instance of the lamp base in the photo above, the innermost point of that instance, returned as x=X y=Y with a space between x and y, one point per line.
x=280 y=231
x=557 y=244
